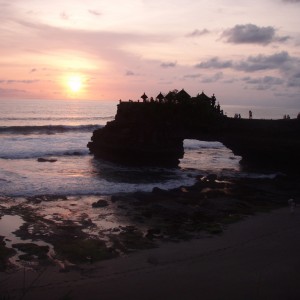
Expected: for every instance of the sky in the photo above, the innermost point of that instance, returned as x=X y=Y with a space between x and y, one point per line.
x=245 y=52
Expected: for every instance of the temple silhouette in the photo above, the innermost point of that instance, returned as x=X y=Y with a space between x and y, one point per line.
x=150 y=132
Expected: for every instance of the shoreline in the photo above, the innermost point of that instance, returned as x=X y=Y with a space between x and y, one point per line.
x=143 y=220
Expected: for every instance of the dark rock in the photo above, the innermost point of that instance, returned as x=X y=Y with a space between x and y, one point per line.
x=159 y=191
x=212 y=177
x=87 y=222
x=39 y=198
x=78 y=250
x=41 y=159
x=31 y=250
x=128 y=228
x=152 y=133
x=5 y=253
x=132 y=239
x=100 y=203
x=153 y=232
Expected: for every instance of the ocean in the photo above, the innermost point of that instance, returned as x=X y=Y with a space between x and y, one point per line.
x=43 y=151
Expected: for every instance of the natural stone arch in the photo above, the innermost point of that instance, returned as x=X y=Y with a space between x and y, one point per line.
x=213 y=157
x=152 y=133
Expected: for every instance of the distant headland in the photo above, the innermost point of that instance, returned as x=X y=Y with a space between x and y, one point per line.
x=150 y=132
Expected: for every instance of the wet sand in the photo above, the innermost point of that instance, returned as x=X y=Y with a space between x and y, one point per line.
x=257 y=258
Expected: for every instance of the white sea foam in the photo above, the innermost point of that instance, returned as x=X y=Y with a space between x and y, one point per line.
x=47 y=129
x=35 y=145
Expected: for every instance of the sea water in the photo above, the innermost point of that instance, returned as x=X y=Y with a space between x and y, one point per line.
x=58 y=132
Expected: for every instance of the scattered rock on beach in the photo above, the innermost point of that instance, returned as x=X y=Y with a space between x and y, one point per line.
x=84 y=250
x=100 y=203
x=31 y=250
x=41 y=159
x=39 y=198
x=211 y=177
x=5 y=253
x=153 y=232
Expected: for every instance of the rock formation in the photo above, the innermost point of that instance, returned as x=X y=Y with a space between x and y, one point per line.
x=151 y=132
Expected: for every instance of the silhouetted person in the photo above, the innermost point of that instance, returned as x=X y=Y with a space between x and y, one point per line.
x=250 y=114
x=213 y=100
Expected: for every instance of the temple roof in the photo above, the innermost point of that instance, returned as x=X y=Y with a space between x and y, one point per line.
x=183 y=93
x=144 y=96
x=202 y=96
x=160 y=96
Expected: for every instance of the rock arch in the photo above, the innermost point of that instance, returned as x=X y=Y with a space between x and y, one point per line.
x=152 y=133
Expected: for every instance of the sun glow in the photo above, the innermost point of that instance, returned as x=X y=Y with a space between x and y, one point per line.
x=74 y=83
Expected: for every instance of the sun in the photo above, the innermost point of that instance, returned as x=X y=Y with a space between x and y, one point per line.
x=74 y=83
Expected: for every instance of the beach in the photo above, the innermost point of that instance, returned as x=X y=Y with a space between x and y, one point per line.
x=242 y=245
x=257 y=258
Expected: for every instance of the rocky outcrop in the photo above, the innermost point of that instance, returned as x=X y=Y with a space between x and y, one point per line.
x=152 y=133
x=274 y=144
x=139 y=135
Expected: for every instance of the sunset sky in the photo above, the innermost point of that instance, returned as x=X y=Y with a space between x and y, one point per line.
x=246 y=52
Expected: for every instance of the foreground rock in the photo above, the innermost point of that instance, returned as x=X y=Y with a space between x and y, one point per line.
x=41 y=159
x=74 y=230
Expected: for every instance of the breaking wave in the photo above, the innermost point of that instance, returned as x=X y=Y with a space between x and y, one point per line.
x=47 y=129
x=56 y=118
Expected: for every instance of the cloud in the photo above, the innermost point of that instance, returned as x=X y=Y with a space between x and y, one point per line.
x=252 y=34
x=168 y=65
x=294 y=80
x=107 y=45
x=291 y=1
x=214 y=78
x=260 y=62
x=264 y=83
x=129 y=73
x=215 y=63
x=198 y=32
x=288 y=67
x=265 y=80
x=33 y=70
x=281 y=61
x=11 y=92
x=94 y=12
x=192 y=76
x=10 y=81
